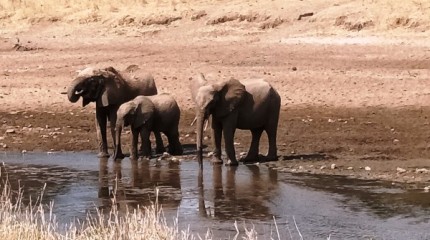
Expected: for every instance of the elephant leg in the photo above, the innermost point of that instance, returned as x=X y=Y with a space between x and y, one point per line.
x=252 y=154
x=134 y=142
x=229 y=146
x=146 y=143
x=175 y=147
x=101 y=121
x=216 y=136
x=159 y=143
x=112 y=120
x=271 y=135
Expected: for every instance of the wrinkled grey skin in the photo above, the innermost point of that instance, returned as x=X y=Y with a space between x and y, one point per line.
x=108 y=88
x=158 y=113
x=252 y=105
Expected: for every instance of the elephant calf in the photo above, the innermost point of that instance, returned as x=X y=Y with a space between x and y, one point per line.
x=252 y=105
x=158 y=113
x=108 y=88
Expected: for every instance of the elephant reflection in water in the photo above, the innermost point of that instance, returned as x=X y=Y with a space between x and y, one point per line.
x=139 y=186
x=237 y=196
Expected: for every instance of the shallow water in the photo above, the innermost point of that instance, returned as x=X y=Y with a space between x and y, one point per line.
x=217 y=196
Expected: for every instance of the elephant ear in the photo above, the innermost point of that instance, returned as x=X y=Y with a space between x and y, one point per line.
x=144 y=112
x=231 y=95
x=110 y=82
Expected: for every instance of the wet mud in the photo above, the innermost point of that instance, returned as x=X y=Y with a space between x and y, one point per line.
x=310 y=139
x=217 y=196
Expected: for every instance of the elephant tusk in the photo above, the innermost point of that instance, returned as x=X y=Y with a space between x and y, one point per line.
x=194 y=121
x=79 y=92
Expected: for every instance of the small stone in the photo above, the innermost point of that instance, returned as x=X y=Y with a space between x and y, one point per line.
x=165 y=155
x=24 y=151
x=350 y=168
x=294 y=68
x=1 y=138
x=187 y=135
x=396 y=140
x=4 y=145
x=400 y=170
x=205 y=138
x=210 y=154
x=421 y=170
x=323 y=167
x=367 y=168
x=11 y=130
x=300 y=167
x=427 y=189
x=236 y=143
x=331 y=120
x=333 y=166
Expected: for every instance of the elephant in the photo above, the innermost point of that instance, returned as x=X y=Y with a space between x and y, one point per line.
x=253 y=105
x=108 y=88
x=158 y=113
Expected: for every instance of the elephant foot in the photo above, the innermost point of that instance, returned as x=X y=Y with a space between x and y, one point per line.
x=267 y=158
x=118 y=156
x=231 y=163
x=250 y=159
x=103 y=155
x=216 y=160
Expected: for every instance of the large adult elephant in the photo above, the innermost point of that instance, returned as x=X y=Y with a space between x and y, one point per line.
x=252 y=105
x=108 y=88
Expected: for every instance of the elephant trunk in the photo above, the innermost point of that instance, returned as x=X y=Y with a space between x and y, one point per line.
x=73 y=88
x=118 y=129
x=200 y=123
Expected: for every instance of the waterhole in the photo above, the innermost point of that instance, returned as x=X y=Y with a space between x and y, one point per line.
x=216 y=197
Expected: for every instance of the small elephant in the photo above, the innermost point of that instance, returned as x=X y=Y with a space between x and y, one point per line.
x=252 y=105
x=158 y=113
x=108 y=88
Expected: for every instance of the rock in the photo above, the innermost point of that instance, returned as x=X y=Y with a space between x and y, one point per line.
x=331 y=120
x=333 y=166
x=24 y=151
x=4 y=145
x=187 y=135
x=322 y=167
x=300 y=167
x=206 y=138
x=10 y=130
x=210 y=154
x=400 y=170
x=421 y=170
x=396 y=140
x=294 y=68
x=1 y=138
x=350 y=168
x=427 y=189
x=367 y=168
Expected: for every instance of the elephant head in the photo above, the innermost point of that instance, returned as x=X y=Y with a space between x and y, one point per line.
x=94 y=85
x=218 y=100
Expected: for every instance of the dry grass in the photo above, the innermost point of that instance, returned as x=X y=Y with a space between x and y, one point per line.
x=327 y=16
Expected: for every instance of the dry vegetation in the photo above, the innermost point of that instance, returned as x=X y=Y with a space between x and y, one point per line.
x=327 y=16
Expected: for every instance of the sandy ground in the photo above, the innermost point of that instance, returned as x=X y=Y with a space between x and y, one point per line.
x=352 y=104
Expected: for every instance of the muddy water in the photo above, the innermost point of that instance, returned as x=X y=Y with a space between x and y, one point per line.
x=216 y=197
